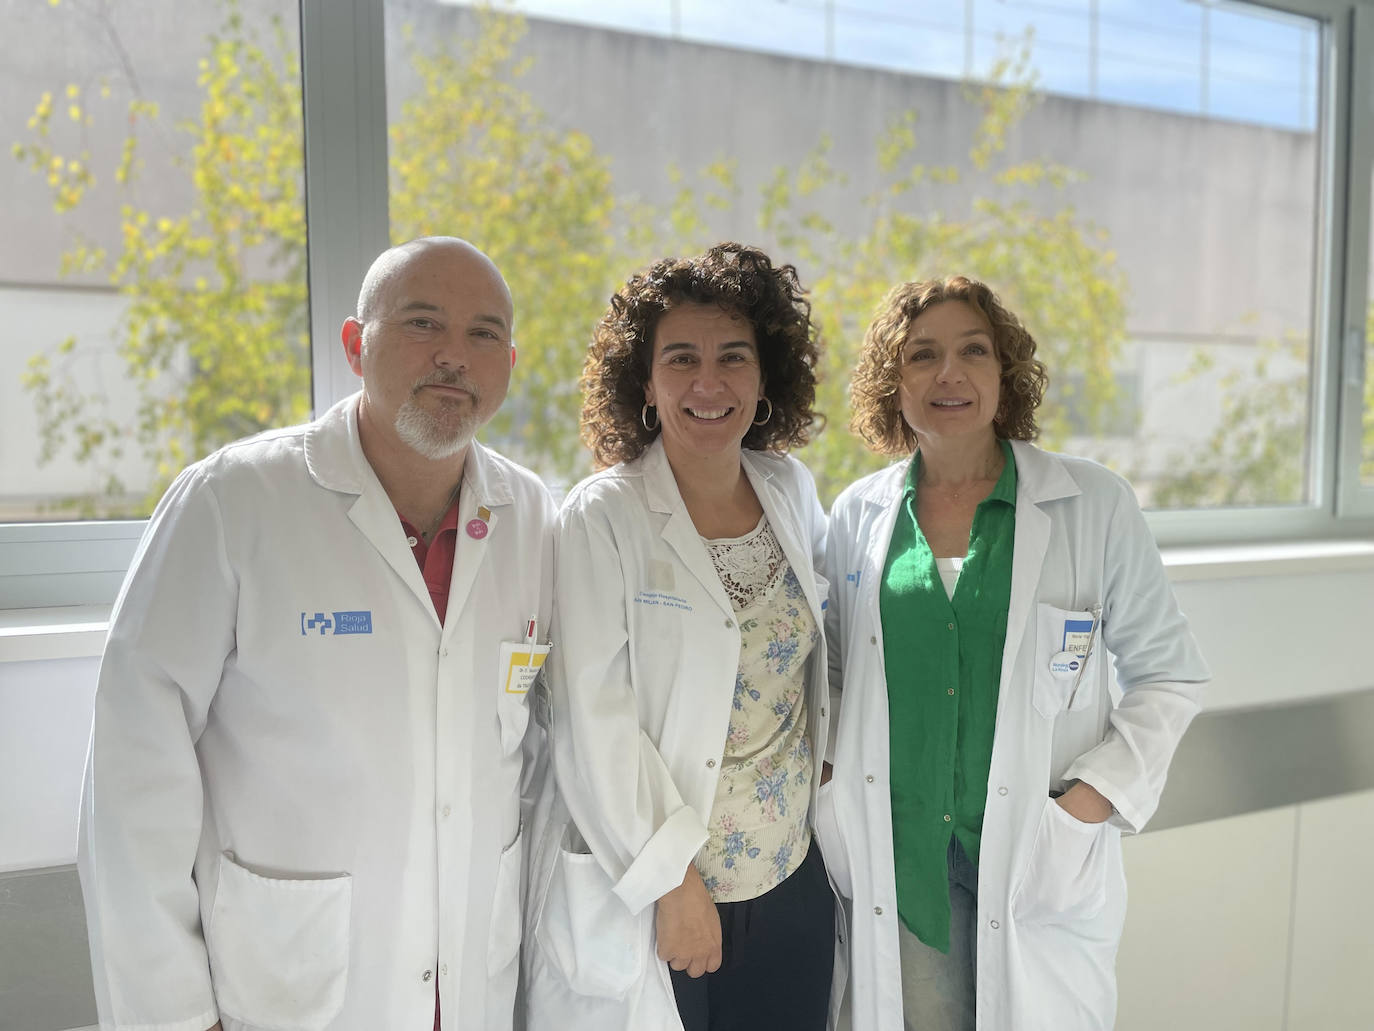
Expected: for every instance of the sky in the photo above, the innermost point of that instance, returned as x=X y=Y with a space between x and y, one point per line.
x=1223 y=59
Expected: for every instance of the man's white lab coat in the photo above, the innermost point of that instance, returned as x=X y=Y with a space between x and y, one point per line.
x=302 y=803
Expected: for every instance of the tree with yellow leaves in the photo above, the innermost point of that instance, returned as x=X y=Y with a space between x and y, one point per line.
x=216 y=334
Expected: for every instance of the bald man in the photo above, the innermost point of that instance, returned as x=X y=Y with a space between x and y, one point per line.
x=302 y=805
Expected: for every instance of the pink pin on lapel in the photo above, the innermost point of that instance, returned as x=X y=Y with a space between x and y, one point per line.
x=480 y=527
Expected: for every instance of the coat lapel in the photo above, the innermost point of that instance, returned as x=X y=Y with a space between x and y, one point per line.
x=334 y=456
x=1040 y=478
x=484 y=486
x=374 y=515
x=678 y=532
x=882 y=497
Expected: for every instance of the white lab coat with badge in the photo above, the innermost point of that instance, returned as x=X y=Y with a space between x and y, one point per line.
x=1051 y=893
x=303 y=796
x=646 y=652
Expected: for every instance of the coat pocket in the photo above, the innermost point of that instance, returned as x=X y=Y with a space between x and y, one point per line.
x=590 y=936
x=503 y=937
x=1071 y=684
x=1066 y=876
x=279 y=947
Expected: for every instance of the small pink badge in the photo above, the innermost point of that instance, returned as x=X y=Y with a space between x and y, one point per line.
x=477 y=529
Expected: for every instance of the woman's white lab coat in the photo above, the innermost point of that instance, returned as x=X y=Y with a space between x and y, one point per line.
x=302 y=807
x=1051 y=895
x=643 y=674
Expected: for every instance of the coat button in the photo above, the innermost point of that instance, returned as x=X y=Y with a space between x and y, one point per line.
x=869 y=778
x=1001 y=791
x=412 y=541
x=710 y=764
x=947 y=817
x=443 y=969
x=426 y=976
x=877 y=910
x=822 y=711
x=447 y=810
x=949 y=626
x=729 y=623
x=994 y=924
x=950 y=691
x=873 y=639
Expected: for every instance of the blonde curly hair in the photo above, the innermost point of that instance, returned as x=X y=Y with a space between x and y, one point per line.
x=873 y=392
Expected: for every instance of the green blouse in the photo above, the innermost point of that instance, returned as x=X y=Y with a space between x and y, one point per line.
x=944 y=663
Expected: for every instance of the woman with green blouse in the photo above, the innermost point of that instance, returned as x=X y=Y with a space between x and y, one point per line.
x=983 y=773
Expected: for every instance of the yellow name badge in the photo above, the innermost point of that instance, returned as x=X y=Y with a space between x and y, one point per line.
x=519 y=664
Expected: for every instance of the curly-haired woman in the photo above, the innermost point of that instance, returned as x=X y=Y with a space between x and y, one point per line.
x=983 y=772
x=688 y=673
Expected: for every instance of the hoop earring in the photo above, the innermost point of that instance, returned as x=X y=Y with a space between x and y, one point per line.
x=764 y=420
x=644 y=417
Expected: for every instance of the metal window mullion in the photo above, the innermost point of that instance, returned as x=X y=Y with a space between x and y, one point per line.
x=343 y=87
x=1329 y=261
x=1355 y=499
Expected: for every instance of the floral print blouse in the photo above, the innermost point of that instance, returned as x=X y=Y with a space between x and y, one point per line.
x=759 y=831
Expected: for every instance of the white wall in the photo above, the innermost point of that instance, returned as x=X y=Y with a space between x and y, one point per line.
x=45 y=724
x=1261 y=922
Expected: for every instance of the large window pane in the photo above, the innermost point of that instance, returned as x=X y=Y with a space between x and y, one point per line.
x=1139 y=181
x=152 y=244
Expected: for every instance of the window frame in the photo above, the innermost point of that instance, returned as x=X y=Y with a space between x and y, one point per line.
x=1337 y=506
x=343 y=68
x=1355 y=500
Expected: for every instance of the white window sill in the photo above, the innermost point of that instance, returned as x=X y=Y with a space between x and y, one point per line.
x=64 y=632
x=1285 y=558
x=78 y=631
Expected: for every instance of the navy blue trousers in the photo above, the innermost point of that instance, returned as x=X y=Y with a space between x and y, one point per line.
x=778 y=953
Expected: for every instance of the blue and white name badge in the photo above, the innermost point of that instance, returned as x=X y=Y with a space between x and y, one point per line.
x=1075 y=645
x=1078 y=633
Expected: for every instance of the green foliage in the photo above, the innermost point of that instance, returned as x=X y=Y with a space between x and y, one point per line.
x=473 y=157
x=215 y=338
x=1256 y=454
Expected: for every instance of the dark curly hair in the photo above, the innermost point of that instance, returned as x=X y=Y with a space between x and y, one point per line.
x=873 y=393
x=741 y=281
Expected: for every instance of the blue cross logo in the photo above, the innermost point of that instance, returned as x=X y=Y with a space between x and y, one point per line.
x=342 y=623
x=318 y=620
